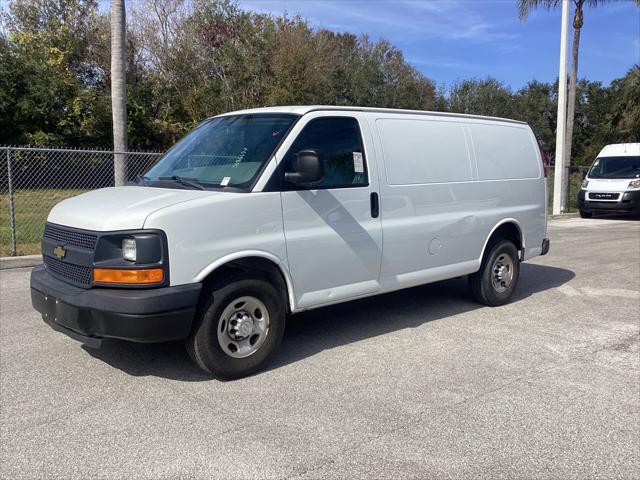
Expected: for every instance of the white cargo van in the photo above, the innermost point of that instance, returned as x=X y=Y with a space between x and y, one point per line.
x=612 y=184
x=263 y=213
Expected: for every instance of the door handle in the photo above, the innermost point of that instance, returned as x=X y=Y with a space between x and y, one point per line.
x=375 y=205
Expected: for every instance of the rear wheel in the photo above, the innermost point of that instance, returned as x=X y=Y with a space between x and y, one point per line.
x=238 y=327
x=585 y=214
x=498 y=276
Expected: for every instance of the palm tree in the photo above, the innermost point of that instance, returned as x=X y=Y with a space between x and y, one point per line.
x=524 y=8
x=118 y=90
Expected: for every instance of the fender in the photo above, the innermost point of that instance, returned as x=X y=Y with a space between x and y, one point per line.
x=502 y=222
x=253 y=253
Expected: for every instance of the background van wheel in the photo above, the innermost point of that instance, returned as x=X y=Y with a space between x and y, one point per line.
x=584 y=214
x=498 y=276
x=238 y=327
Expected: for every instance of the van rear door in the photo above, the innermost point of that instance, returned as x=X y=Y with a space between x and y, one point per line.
x=333 y=233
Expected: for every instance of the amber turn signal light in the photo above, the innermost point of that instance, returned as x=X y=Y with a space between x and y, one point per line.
x=130 y=276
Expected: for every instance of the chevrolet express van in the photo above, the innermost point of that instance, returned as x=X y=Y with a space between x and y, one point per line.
x=259 y=214
x=612 y=184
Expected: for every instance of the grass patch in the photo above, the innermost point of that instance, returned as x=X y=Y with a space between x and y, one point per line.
x=575 y=181
x=31 y=210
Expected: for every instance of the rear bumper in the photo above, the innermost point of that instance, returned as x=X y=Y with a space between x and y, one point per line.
x=546 y=244
x=153 y=315
x=629 y=203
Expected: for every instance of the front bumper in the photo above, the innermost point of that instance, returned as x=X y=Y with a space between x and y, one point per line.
x=629 y=203
x=138 y=315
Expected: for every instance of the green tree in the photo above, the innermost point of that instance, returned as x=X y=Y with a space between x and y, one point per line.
x=625 y=95
x=536 y=104
x=481 y=97
x=524 y=9
x=53 y=92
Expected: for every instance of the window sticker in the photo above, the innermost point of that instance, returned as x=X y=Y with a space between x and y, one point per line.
x=240 y=158
x=358 y=163
x=225 y=181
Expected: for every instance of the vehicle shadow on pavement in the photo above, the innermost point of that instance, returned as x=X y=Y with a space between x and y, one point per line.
x=325 y=328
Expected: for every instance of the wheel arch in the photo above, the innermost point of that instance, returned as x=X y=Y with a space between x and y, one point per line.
x=509 y=229
x=251 y=261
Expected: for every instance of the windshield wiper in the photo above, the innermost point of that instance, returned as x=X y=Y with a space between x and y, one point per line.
x=188 y=182
x=142 y=178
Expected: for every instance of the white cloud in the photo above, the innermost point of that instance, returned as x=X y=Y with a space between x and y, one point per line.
x=449 y=20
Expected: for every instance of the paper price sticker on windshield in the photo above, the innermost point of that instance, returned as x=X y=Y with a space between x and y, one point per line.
x=358 y=163
x=225 y=181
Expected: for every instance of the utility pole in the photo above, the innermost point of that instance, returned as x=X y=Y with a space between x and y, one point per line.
x=119 y=90
x=559 y=196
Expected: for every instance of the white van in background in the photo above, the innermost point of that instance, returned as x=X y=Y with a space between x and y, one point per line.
x=612 y=184
x=262 y=213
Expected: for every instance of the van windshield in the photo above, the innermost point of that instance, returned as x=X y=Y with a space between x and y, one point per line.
x=227 y=151
x=616 y=167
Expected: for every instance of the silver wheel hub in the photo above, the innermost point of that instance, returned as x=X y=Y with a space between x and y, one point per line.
x=502 y=272
x=243 y=327
x=240 y=325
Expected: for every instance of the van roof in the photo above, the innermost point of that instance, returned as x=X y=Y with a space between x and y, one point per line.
x=620 y=150
x=303 y=109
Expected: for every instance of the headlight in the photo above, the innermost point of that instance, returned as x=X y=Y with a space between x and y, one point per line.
x=129 y=249
x=131 y=258
x=633 y=184
x=585 y=183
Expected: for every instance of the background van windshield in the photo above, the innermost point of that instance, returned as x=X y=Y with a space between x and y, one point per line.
x=224 y=151
x=616 y=167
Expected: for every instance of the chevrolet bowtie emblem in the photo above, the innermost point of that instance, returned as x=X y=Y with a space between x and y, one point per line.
x=59 y=252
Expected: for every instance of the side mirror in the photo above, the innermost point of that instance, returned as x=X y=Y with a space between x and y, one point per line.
x=309 y=168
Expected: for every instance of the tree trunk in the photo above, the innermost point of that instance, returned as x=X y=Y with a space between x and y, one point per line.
x=571 y=101
x=118 y=90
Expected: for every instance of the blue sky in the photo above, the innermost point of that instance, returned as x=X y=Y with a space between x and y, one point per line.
x=456 y=39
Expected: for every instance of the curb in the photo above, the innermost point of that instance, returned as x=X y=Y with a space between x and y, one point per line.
x=564 y=215
x=20 y=262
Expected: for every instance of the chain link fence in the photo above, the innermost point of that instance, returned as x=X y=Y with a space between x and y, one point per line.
x=33 y=180
x=575 y=174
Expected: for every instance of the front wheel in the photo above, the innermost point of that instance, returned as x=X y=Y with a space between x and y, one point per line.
x=498 y=276
x=585 y=214
x=238 y=327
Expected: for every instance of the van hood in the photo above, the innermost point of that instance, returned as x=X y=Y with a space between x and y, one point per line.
x=612 y=185
x=119 y=208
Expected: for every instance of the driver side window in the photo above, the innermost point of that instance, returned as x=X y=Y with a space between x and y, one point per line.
x=338 y=143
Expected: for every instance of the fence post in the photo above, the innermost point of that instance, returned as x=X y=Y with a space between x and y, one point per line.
x=12 y=213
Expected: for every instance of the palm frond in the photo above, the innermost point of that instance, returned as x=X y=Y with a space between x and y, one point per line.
x=525 y=7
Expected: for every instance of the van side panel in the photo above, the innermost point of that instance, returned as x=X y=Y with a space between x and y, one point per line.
x=510 y=177
x=504 y=151
x=416 y=140
x=203 y=231
x=437 y=213
x=427 y=223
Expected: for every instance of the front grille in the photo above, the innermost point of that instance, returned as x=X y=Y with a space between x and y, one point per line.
x=65 y=236
x=603 y=196
x=77 y=274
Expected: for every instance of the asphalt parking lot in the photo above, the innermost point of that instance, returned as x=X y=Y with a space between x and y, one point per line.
x=416 y=384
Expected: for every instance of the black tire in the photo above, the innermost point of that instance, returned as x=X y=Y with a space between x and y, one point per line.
x=481 y=283
x=585 y=214
x=203 y=345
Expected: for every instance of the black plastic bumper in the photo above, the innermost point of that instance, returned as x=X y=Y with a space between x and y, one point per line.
x=629 y=203
x=546 y=243
x=141 y=315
